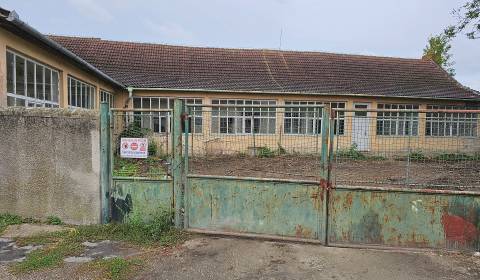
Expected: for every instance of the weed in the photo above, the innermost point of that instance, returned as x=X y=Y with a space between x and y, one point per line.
x=116 y=268
x=7 y=219
x=265 y=152
x=456 y=157
x=54 y=220
x=49 y=256
x=351 y=153
x=125 y=168
x=152 y=147
x=417 y=156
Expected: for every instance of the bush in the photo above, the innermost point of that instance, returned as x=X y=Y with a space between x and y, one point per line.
x=265 y=152
x=152 y=147
x=54 y=220
x=7 y=219
x=351 y=153
x=417 y=156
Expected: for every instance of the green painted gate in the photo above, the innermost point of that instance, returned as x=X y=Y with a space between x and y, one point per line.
x=312 y=211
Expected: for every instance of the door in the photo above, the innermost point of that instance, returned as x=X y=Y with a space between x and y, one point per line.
x=361 y=127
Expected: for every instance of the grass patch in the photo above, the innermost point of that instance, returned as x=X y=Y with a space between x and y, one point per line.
x=117 y=268
x=152 y=230
x=50 y=256
x=7 y=219
x=351 y=153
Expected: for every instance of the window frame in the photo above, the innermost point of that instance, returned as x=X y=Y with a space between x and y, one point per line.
x=166 y=116
x=339 y=123
x=108 y=96
x=91 y=101
x=241 y=115
x=451 y=120
x=400 y=119
x=29 y=101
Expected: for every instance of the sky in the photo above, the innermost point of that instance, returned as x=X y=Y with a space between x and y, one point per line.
x=370 y=27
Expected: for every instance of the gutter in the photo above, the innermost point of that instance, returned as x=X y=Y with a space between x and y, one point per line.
x=303 y=93
x=14 y=19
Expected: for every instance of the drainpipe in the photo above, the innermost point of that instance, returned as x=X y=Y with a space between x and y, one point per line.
x=130 y=96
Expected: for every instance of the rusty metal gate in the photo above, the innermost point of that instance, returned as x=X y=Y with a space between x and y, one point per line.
x=302 y=172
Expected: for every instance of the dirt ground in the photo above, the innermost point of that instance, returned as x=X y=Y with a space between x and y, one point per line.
x=353 y=172
x=229 y=258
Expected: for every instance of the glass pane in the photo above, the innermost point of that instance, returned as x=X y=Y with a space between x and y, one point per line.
x=10 y=74
x=55 y=86
x=137 y=103
x=10 y=101
x=30 y=79
x=20 y=75
x=39 y=81
x=48 y=84
x=84 y=96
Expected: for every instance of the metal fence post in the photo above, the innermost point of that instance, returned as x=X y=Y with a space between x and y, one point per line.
x=186 y=123
x=178 y=164
x=325 y=167
x=105 y=162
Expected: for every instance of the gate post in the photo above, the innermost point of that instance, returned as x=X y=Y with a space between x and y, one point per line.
x=178 y=164
x=105 y=162
x=325 y=167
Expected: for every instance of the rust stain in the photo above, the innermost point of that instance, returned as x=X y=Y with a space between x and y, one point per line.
x=458 y=229
x=301 y=232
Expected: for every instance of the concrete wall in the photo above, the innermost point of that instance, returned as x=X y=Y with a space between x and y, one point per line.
x=49 y=164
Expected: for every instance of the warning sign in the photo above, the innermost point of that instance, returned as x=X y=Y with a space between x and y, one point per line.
x=134 y=147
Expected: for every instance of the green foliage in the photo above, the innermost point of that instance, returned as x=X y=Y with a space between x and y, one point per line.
x=152 y=147
x=116 y=268
x=145 y=231
x=351 y=153
x=265 y=152
x=417 y=156
x=54 y=220
x=468 y=19
x=125 y=168
x=134 y=130
x=7 y=219
x=457 y=157
x=438 y=49
x=49 y=256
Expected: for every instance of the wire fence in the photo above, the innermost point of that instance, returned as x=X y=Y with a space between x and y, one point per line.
x=155 y=126
x=382 y=147
x=389 y=148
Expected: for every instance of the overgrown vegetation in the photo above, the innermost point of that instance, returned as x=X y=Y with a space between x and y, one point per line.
x=149 y=167
x=265 y=152
x=116 y=268
x=417 y=156
x=7 y=219
x=351 y=153
x=54 y=220
x=156 y=229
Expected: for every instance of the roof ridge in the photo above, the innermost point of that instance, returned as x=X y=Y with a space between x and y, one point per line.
x=241 y=49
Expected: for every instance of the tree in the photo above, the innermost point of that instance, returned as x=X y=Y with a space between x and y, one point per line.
x=438 y=49
x=468 y=20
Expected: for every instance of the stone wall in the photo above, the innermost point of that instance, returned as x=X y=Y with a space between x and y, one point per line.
x=50 y=164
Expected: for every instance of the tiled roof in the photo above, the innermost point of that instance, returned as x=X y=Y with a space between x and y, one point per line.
x=145 y=65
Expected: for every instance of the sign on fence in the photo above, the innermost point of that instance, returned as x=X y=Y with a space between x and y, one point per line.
x=134 y=147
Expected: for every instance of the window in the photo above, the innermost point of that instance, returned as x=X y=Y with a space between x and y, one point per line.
x=450 y=124
x=106 y=96
x=240 y=120
x=308 y=120
x=30 y=83
x=81 y=94
x=160 y=121
x=397 y=123
x=196 y=119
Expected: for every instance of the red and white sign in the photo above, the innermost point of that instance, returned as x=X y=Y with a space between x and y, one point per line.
x=134 y=147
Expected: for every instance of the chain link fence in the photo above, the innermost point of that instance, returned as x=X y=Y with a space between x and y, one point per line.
x=152 y=125
x=256 y=141
x=408 y=148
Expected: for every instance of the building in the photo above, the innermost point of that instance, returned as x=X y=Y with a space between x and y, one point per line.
x=68 y=72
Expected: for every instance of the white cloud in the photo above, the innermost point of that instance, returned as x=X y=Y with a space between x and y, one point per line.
x=92 y=9
x=171 y=32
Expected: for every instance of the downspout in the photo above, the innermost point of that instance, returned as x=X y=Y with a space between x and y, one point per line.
x=130 y=96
